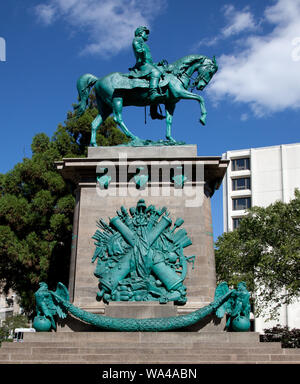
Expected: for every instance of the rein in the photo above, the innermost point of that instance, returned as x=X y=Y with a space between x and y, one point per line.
x=196 y=79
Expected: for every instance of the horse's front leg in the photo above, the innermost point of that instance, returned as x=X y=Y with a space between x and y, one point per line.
x=184 y=94
x=169 y=118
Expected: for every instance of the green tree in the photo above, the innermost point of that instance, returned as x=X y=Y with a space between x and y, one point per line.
x=36 y=207
x=10 y=324
x=264 y=251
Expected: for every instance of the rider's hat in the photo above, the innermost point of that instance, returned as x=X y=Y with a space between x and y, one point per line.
x=141 y=29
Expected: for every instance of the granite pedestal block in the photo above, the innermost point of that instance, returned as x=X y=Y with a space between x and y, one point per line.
x=191 y=202
x=140 y=309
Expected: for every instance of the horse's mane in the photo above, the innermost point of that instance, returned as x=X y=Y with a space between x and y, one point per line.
x=181 y=65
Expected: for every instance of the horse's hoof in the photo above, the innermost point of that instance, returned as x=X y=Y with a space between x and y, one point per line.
x=136 y=141
x=93 y=145
x=170 y=138
x=202 y=121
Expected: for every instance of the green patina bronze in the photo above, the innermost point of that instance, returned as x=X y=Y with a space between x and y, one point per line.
x=237 y=307
x=141 y=179
x=146 y=84
x=48 y=305
x=57 y=303
x=179 y=179
x=104 y=179
x=140 y=257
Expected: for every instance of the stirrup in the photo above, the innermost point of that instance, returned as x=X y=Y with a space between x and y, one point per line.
x=154 y=114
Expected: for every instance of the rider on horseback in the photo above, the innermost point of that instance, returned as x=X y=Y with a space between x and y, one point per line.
x=145 y=68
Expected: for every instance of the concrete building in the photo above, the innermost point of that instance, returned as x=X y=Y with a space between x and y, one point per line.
x=259 y=177
x=8 y=305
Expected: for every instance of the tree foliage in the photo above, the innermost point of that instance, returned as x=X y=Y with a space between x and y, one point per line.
x=289 y=338
x=264 y=251
x=10 y=324
x=36 y=207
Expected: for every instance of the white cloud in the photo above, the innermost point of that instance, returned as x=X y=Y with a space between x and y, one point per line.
x=109 y=24
x=244 y=117
x=207 y=42
x=237 y=22
x=45 y=13
x=264 y=74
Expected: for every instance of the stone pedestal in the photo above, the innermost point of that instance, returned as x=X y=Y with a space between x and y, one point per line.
x=190 y=202
x=140 y=309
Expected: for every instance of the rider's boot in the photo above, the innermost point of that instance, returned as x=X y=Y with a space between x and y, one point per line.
x=154 y=113
x=153 y=91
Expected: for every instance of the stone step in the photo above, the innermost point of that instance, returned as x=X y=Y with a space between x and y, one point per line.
x=145 y=337
x=206 y=364
x=137 y=358
x=134 y=345
x=146 y=349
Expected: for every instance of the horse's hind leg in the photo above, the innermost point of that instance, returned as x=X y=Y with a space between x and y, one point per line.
x=117 y=112
x=103 y=114
x=95 y=125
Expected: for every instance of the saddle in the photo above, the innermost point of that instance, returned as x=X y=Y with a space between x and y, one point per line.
x=125 y=81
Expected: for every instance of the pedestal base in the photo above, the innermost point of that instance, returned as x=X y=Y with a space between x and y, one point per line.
x=191 y=203
x=140 y=309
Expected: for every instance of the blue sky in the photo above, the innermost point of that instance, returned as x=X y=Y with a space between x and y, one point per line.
x=253 y=100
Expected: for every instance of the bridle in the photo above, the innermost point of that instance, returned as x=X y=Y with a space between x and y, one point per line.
x=201 y=75
x=195 y=80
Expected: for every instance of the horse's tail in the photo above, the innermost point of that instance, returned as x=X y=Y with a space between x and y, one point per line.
x=84 y=85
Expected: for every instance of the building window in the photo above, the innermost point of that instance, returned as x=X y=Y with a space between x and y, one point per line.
x=236 y=222
x=241 y=203
x=240 y=164
x=241 y=183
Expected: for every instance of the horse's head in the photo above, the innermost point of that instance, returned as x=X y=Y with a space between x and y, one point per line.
x=206 y=70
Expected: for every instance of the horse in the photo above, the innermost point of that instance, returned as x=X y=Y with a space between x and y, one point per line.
x=117 y=90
